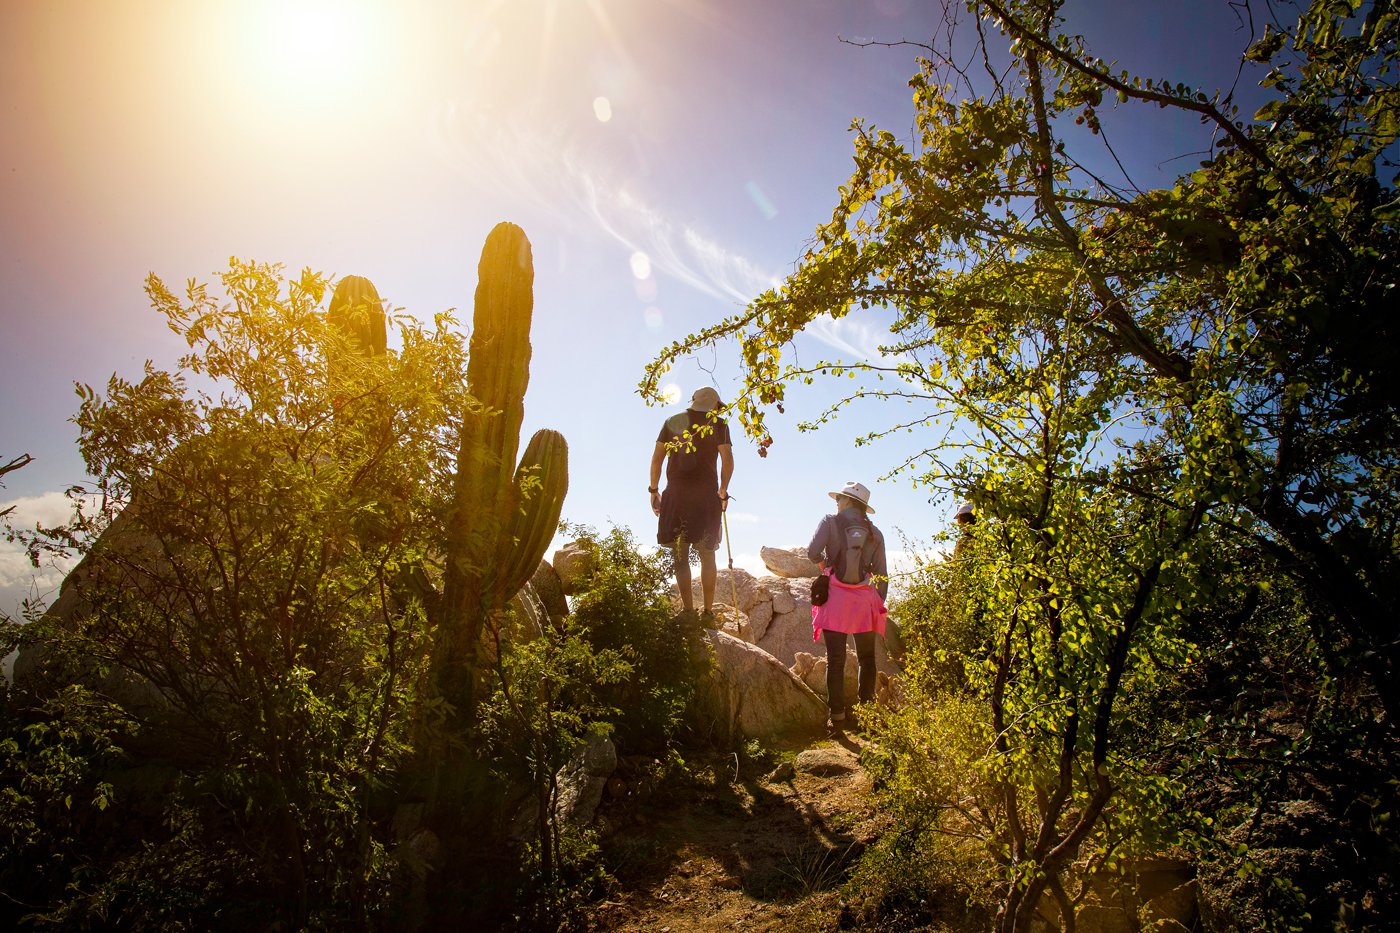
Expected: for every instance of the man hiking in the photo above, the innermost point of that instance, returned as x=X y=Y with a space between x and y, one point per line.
x=690 y=511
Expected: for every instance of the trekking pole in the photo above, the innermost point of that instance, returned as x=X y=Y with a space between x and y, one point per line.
x=729 y=551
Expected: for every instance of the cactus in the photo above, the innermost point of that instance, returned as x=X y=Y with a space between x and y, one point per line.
x=503 y=517
x=356 y=310
x=544 y=467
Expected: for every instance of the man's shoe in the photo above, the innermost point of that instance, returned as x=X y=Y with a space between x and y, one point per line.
x=707 y=619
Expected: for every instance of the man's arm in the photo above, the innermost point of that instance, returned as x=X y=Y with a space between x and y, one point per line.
x=726 y=470
x=658 y=457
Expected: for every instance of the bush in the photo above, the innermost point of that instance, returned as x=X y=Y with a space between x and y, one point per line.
x=623 y=605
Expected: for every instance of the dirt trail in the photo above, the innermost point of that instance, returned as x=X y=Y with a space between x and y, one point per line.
x=744 y=852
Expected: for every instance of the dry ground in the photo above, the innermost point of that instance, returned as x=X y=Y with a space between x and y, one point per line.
x=740 y=851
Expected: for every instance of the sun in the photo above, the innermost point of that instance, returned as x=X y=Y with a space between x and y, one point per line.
x=312 y=52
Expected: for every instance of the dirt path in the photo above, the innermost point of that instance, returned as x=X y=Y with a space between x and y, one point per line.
x=741 y=851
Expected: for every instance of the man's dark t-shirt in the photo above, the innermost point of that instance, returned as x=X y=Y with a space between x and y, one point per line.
x=690 y=508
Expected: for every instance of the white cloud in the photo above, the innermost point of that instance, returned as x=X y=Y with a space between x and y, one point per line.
x=20 y=579
x=746 y=560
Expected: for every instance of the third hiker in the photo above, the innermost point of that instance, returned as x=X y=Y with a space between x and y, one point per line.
x=851 y=551
x=690 y=511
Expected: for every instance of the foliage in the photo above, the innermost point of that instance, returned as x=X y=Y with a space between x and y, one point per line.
x=623 y=605
x=1135 y=386
x=549 y=693
x=55 y=794
x=241 y=601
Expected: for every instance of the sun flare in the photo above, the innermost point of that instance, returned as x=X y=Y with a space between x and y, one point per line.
x=312 y=52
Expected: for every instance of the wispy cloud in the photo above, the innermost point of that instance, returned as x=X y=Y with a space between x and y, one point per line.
x=543 y=167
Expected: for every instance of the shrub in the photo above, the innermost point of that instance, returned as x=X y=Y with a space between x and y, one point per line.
x=623 y=605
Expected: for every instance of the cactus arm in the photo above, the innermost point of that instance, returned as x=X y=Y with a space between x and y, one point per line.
x=545 y=467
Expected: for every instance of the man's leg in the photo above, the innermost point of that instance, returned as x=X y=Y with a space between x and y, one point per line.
x=707 y=577
x=681 y=556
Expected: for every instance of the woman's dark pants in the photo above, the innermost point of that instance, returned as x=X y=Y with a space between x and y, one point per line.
x=836 y=668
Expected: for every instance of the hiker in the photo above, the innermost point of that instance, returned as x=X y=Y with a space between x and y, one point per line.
x=690 y=510
x=966 y=518
x=851 y=551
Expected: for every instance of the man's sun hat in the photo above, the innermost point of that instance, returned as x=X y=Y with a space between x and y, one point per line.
x=856 y=491
x=706 y=398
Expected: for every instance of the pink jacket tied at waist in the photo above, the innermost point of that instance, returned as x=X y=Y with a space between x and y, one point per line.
x=851 y=608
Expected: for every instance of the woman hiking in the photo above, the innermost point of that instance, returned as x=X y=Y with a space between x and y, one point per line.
x=851 y=551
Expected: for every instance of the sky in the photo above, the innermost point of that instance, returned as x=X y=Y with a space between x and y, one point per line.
x=669 y=160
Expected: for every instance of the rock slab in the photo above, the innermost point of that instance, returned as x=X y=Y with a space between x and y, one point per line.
x=754 y=696
x=788 y=562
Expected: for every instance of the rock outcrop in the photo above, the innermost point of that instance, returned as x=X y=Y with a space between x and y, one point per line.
x=754 y=696
x=778 y=610
x=571 y=562
x=789 y=562
x=583 y=779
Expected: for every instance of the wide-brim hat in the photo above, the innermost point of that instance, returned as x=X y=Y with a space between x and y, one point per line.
x=856 y=491
x=706 y=398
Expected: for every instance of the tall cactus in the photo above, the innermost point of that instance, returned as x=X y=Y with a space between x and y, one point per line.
x=357 y=311
x=503 y=518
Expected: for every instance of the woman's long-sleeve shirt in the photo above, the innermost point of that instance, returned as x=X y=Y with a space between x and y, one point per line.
x=827 y=542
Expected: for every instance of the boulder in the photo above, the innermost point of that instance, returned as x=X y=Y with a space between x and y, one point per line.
x=788 y=633
x=779 y=592
x=581 y=782
x=744 y=588
x=731 y=620
x=549 y=588
x=788 y=562
x=572 y=562
x=752 y=695
x=583 y=779
x=812 y=670
x=759 y=617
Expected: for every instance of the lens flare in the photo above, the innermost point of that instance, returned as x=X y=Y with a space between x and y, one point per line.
x=671 y=393
x=602 y=109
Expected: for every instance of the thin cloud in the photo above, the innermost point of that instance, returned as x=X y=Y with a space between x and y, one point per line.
x=544 y=168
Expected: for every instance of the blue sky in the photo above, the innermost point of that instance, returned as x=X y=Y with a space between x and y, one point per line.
x=667 y=158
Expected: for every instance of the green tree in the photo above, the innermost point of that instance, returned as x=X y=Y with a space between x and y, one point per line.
x=1250 y=298
x=1081 y=354
x=242 y=600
